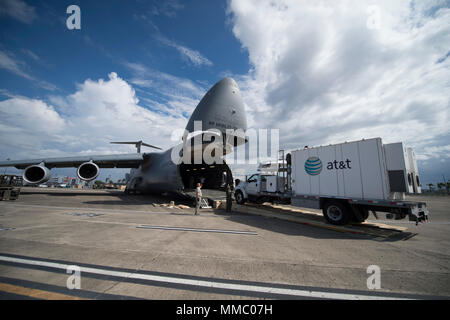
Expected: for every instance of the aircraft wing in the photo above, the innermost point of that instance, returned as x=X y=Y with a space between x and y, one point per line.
x=128 y=160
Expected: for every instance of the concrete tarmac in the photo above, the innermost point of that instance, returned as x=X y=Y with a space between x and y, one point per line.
x=214 y=255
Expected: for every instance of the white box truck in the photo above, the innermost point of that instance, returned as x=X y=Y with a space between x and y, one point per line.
x=346 y=181
x=402 y=168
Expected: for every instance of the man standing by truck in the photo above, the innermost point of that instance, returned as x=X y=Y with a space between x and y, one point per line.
x=198 y=197
x=228 y=201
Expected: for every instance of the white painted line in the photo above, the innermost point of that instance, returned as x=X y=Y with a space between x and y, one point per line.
x=204 y=283
x=196 y=229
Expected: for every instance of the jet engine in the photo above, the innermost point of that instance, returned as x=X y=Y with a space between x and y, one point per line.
x=88 y=171
x=36 y=174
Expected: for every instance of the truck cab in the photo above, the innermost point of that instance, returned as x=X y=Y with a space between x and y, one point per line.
x=248 y=189
x=259 y=188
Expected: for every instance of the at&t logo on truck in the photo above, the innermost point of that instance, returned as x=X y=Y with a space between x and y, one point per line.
x=313 y=165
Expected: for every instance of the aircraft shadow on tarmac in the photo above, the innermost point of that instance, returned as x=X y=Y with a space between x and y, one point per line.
x=294 y=229
x=285 y=227
x=123 y=200
x=250 y=220
x=62 y=193
x=117 y=197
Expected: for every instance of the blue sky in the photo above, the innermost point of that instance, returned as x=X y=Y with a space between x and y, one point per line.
x=321 y=72
x=114 y=33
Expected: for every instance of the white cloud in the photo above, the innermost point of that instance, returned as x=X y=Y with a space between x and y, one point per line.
x=32 y=55
x=86 y=121
x=168 y=8
x=24 y=123
x=11 y=64
x=18 y=9
x=435 y=152
x=8 y=62
x=192 y=56
x=180 y=95
x=321 y=76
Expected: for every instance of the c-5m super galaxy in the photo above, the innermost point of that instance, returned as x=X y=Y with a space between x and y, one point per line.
x=220 y=110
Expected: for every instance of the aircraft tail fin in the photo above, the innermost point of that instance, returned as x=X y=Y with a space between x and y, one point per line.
x=221 y=108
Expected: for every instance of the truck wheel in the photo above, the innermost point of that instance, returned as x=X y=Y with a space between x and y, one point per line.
x=239 y=197
x=336 y=213
x=360 y=214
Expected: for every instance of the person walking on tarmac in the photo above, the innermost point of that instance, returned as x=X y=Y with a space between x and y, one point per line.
x=228 y=202
x=229 y=188
x=198 y=197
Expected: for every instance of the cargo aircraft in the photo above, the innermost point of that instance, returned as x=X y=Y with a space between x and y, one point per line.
x=219 y=114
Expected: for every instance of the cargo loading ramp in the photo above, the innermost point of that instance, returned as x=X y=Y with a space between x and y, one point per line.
x=210 y=194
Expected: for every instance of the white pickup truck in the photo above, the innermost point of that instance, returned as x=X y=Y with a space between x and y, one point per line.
x=346 y=181
x=261 y=187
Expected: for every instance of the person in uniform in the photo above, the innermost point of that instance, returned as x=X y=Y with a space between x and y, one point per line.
x=198 y=197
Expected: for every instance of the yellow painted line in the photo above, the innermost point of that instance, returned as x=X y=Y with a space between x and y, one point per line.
x=36 y=293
